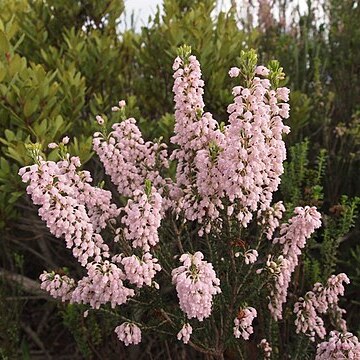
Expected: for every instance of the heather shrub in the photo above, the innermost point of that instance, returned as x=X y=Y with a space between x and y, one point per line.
x=62 y=63
x=190 y=243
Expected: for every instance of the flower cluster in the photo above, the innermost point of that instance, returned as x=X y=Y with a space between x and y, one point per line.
x=184 y=333
x=243 y=323
x=307 y=319
x=194 y=131
x=224 y=175
x=339 y=346
x=243 y=162
x=142 y=219
x=58 y=286
x=293 y=239
x=251 y=161
x=128 y=333
x=103 y=284
x=128 y=159
x=98 y=204
x=196 y=284
x=63 y=195
x=266 y=348
x=140 y=271
x=320 y=301
x=250 y=256
x=270 y=218
x=329 y=295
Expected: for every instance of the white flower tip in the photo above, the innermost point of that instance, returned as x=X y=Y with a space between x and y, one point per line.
x=65 y=140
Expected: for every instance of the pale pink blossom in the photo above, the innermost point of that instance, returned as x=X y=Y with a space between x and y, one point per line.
x=184 y=333
x=103 y=284
x=339 y=346
x=262 y=71
x=100 y=120
x=282 y=94
x=292 y=239
x=266 y=348
x=321 y=300
x=242 y=163
x=128 y=333
x=307 y=319
x=196 y=284
x=270 y=218
x=250 y=256
x=234 y=72
x=128 y=159
x=142 y=219
x=198 y=138
x=122 y=104
x=243 y=323
x=53 y=145
x=140 y=271
x=57 y=286
x=251 y=161
x=68 y=206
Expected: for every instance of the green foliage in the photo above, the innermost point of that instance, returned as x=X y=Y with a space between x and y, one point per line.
x=302 y=182
x=217 y=43
x=336 y=228
x=10 y=319
x=48 y=76
x=86 y=331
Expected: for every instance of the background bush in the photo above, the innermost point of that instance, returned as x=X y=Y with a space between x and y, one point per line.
x=63 y=62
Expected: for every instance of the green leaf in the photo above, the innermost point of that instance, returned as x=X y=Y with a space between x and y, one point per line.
x=30 y=106
x=2 y=71
x=14 y=196
x=10 y=136
x=4 y=42
x=4 y=166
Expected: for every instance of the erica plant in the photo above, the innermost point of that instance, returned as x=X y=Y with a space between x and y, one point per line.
x=192 y=246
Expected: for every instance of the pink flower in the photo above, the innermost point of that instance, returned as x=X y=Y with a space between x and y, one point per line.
x=140 y=271
x=307 y=320
x=270 y=218
x=142 y=219
x=339 y=346
x=65 y=140
x=100 y=120
x=243 y=323
x=184 y=333
x=129 y=160
x=250 y=256
x=196 y=284
x=53 y=146
x=122 y=104
x=177 y=63
x=262 y=70
x=234 y=72
x=129 y=333
x=266 y=348
x=282 y=94
x=323 y=299
x=293 y=239
x=103 y=284
x=58 y=286
x=70 y=206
